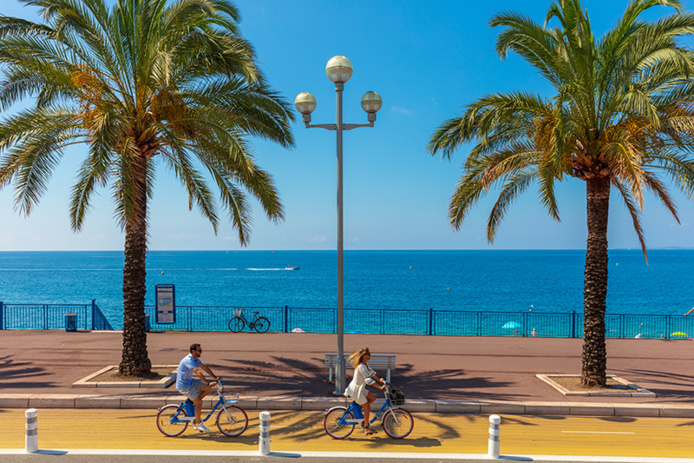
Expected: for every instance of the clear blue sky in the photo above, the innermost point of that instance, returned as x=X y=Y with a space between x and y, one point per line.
x=427 y=60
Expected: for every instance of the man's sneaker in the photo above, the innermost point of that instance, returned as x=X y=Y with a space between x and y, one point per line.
x=201 y=427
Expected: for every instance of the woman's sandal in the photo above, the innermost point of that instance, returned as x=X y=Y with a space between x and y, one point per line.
x=368 y=431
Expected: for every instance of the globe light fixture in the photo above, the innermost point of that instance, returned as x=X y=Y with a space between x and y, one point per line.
x=339 y=71
x=371 y=102
x=305 y=103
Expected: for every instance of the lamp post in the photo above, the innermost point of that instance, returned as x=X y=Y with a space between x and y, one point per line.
x=339 y=71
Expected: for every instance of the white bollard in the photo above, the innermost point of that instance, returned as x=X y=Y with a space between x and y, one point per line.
x=31 y=441
x=264 y=439
x=494 y=431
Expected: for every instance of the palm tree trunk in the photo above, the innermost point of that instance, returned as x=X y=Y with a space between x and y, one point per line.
x=595 y=285
x=135 y=361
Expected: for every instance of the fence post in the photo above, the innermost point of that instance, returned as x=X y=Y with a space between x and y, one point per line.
x=431 y=321
x=2 y=316
x=286 y=319
x=573 y=324
x=93 y=314
x=525 y=325
x=479 y=322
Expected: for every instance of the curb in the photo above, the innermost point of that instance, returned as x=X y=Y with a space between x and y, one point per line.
x=158 y=384
x=247 y=455
x=155 y=401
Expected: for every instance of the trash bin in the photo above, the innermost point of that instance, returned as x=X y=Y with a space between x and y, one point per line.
x=70 y=322
x=147 y=325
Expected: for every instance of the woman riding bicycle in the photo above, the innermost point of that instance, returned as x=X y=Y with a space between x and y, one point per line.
x=356 y=390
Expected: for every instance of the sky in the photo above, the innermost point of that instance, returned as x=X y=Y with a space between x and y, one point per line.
x=427 y=60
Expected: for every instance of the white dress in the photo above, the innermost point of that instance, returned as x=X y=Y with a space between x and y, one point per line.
x=357 y=388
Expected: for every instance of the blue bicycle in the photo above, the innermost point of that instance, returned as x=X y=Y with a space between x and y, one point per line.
x=232 y=420
x=339 y=421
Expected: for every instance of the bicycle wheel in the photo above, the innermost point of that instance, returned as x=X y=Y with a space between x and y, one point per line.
x=332 y=425
x=261 y=324
x=233 y=422
x=398 y=423
x=236 y=324
x=164 y=421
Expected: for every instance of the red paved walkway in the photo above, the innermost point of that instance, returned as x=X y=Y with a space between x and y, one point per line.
x=450 y=368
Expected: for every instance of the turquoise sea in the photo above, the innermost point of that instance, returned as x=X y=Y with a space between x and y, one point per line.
x=504 y=281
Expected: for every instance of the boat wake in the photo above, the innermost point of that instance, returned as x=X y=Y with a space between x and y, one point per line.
x=241 y=269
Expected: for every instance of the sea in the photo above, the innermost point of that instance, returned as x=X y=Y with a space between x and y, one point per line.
x=544 y=281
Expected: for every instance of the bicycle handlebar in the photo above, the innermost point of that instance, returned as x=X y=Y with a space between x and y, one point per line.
x=219 y=385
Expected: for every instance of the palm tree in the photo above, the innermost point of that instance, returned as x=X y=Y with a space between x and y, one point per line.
x=621 y=111
x=140 y=84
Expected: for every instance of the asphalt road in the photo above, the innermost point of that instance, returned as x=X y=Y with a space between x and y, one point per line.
x=301 y=434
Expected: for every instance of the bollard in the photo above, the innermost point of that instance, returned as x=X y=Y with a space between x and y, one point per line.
x=31 y=441
x=494 y=431
x=264 y=439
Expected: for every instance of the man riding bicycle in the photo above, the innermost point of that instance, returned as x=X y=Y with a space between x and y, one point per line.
x=194 y=389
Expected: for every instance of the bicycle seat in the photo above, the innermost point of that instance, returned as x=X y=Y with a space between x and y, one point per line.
x=256 y=313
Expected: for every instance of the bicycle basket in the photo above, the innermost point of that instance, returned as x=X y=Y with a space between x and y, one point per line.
x=238 y=312
x=397 y=397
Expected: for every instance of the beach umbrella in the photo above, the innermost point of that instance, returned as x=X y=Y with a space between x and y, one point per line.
x=298 y=330
x=511 y=326
x=678 y=333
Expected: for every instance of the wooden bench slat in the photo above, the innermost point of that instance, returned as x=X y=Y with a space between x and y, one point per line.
x=377 y=361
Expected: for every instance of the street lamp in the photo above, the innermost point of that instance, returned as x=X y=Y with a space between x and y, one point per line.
x=339 y=71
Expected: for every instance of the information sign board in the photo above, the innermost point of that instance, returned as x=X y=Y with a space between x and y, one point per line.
x=165 y=304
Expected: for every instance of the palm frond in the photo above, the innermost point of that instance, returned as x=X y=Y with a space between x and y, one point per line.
x=513 y=186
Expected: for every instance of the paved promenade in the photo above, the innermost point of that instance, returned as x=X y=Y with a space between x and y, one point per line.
x=287 y=371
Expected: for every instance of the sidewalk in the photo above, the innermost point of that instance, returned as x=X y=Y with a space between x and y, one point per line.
x=287 y=371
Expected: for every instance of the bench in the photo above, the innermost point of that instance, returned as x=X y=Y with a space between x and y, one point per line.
x=377 y=362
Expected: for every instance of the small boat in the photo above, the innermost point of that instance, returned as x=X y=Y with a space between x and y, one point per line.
x=289 y=267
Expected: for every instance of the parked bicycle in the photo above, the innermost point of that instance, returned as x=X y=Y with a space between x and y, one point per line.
x=398 y=423
x=238 y=323
x=231 y=420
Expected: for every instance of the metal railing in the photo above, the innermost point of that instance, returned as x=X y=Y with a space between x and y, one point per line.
x=431 y=322
x=51 y=316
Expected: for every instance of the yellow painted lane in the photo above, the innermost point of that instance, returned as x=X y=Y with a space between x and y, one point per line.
x=303 y=431
x=607 y=436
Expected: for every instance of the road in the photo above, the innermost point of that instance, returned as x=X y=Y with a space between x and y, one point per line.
x=441 y=436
